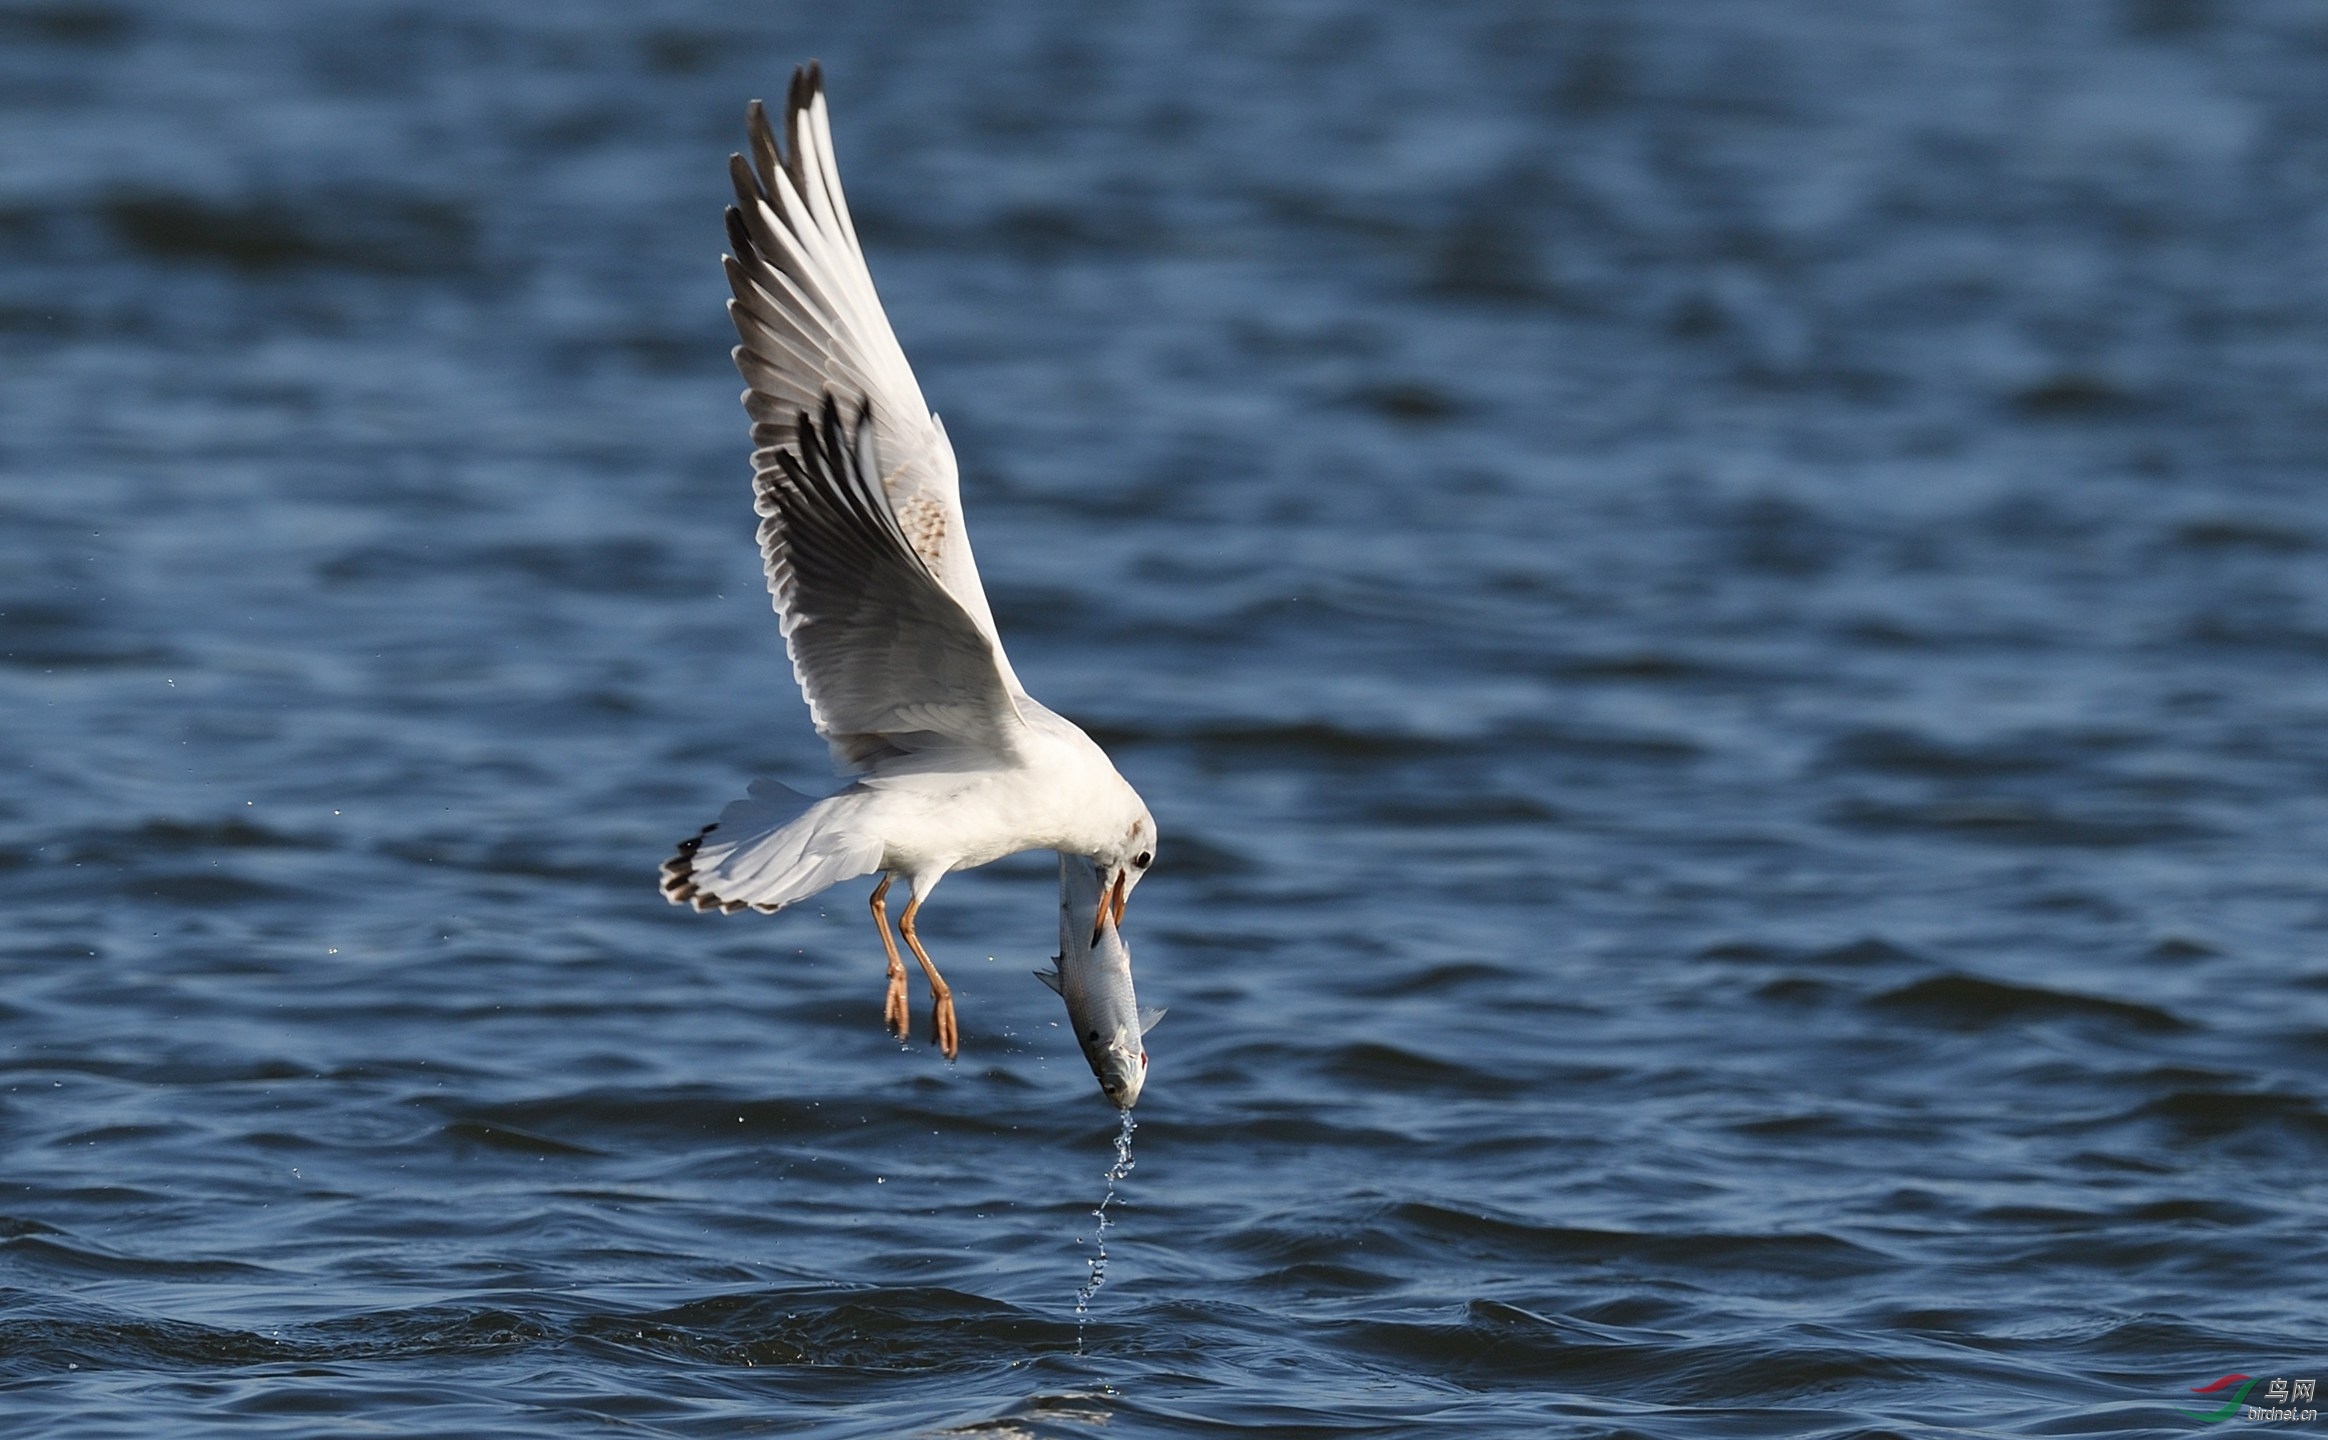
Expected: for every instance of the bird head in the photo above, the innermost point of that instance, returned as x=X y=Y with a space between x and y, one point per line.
x=1126 y=866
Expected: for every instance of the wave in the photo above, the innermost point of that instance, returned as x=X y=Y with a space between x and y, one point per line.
x=1972 y=1002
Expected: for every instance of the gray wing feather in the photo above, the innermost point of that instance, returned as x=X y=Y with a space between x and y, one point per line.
x=887 y=659
x=812 y=329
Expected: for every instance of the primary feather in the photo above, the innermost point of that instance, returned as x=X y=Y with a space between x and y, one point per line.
x=811 y=328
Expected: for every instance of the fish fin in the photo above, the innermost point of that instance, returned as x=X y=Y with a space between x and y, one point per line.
x=1148 y=1019
x=1050 y=978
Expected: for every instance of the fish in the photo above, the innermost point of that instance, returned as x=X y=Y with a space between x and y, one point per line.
x=1093 y=975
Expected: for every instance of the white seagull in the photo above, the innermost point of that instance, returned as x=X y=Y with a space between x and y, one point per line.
x=888 y=628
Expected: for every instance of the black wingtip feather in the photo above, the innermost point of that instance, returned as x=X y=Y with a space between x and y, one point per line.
x=767 y=156
x=747 y=182
x=807 y=85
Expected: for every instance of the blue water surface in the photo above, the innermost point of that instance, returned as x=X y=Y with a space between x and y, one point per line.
x=1724 y=608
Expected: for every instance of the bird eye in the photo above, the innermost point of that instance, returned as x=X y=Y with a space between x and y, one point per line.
x=1141 y=860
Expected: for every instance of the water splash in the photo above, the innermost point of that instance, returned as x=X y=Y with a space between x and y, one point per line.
x=1115 y=1175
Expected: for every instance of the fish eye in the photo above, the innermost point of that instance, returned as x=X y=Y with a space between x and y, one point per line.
x=1094 y=1035
x=1141 y=860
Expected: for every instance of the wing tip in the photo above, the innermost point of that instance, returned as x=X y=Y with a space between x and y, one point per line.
x=749 y=188
x=784 y=153
x=807 y=87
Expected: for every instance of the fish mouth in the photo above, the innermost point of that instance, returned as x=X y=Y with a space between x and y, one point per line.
x=1123 y=1095
x=1121 y=1078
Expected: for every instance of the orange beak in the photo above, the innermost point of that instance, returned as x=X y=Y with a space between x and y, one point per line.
x=1111 y=906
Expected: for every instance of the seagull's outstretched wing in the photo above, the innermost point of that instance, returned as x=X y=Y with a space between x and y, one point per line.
x=888 y=659
x=812 y=328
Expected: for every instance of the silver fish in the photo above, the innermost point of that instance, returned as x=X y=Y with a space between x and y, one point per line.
x=1094 y=977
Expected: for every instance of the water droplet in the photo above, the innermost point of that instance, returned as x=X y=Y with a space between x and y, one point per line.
x=1115 y=1175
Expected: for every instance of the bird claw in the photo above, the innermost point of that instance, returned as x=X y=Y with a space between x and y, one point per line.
x=942 y=1030
x=894 y=1015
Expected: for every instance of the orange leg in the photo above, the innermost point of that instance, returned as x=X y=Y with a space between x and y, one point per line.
x=941 y=994
x=893 y=1012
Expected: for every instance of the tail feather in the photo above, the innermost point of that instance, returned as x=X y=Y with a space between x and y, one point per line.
x=768 y=850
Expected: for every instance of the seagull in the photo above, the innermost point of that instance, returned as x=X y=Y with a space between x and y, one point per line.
x=952 y=764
